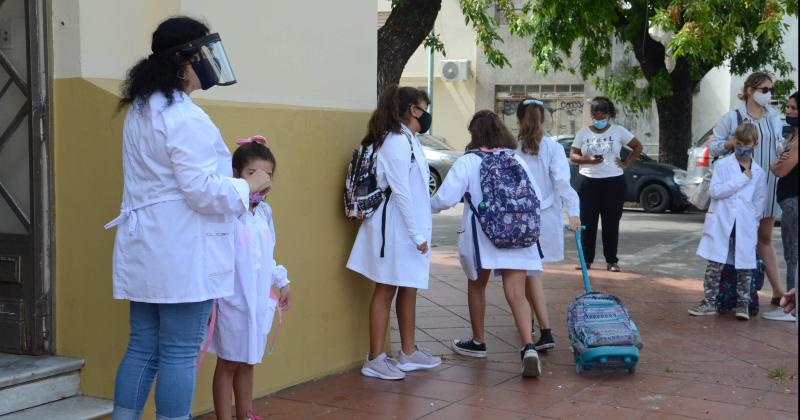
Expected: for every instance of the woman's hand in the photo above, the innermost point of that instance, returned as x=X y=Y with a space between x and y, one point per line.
x=423 y=248
x=285 y=300
x=258 y=181
x=574 y=223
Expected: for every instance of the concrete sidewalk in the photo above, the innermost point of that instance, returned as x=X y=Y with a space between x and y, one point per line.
x=709 y=367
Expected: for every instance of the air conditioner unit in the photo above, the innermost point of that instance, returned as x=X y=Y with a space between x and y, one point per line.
x=455 y=70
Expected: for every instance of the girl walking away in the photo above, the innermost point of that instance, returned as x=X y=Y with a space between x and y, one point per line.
x=601 y=180
x=731 y=228
x=174 y=233
x=391 y=248
x=786 y=169
x=491 y=174
x=550 y=169
x=244 y=319
x=757 y=95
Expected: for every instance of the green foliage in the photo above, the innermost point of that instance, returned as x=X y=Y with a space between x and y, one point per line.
x=433 y=41
x=783 y=88
x=747 y=34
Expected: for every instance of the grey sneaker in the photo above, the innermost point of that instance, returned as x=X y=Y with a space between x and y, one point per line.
x=743 y=312
x=420 y=359
x=531 y=365
x=704 y=308
x=381 y=367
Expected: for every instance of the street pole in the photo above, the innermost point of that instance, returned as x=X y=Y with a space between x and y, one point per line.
x=430 y=83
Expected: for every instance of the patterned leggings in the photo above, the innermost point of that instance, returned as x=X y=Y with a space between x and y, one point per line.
x=713 y=277
x=789 y=238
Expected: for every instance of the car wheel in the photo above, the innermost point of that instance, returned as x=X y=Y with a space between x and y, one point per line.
x=654 y=198
x=434 y=181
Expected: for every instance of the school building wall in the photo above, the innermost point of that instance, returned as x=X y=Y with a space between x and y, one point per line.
x=312 y=134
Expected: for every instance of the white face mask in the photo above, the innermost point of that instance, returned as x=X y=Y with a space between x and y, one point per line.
x=762 y=98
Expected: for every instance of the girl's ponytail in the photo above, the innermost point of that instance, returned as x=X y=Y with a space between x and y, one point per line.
x=530 y=119
x=393 y=105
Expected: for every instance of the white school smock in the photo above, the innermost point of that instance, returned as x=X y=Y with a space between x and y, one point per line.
x=465 y=176
x=244 y=318
x=408 y=217
x=770 y=137
x=550 y=171
x=174 y=239
x=735 y=198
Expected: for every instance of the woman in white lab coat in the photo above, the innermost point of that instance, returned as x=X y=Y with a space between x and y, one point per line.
x=489 y=135
x=395 y=254
x=548 y=165
x=173 y=251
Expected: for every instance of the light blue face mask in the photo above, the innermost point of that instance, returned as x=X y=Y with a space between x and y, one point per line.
x=600 y=124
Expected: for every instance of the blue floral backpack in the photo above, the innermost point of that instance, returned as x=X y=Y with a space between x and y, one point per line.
x=509 y=214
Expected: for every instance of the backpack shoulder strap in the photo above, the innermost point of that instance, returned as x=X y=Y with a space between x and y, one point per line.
x=739 y=119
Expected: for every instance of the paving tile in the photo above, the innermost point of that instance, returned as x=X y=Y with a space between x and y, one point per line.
x=468 y=412
x=697 y=408
x=570 y=409
x=762 y=413
x=503 y=399
x=720 y=393
x=778 y=401
x=473 y=376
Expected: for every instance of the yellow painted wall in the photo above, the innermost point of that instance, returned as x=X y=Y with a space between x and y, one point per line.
x=326 y=329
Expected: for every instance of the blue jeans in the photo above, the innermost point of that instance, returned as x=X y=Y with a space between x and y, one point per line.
x=165 y=339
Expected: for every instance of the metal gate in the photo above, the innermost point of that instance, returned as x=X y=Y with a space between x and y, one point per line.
x=25 y=305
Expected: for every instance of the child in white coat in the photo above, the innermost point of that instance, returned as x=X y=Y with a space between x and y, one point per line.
x=548 y=165
x=730 y=232
x=244 y=319
x=489 y=135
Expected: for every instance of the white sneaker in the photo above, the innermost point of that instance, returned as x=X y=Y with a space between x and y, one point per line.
x=382 y=367
x=778 y=315
x=420 y=359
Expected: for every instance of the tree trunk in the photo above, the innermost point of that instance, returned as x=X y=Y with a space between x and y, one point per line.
x=406 y=28
x=675 y=118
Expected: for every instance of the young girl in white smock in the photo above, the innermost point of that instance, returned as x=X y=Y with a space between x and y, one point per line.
x=548 y=164
x=489 y=134
x=244 y=319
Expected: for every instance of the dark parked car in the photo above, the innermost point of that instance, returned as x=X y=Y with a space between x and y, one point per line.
x=655 y=186
x=440 y=157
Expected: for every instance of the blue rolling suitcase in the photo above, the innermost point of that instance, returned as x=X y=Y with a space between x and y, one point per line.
x=601 y=333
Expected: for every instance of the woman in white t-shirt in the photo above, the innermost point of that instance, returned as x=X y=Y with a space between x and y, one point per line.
x=601 y=181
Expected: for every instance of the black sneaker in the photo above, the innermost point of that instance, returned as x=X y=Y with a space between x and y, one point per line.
x=545 y=341
x=531 y=365
x=468 y=347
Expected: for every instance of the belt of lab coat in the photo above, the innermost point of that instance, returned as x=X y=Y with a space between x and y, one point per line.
x=129 y=213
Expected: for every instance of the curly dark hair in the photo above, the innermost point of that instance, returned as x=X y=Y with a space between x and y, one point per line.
x=603 y=105
x=159 y=72
x=487 y=131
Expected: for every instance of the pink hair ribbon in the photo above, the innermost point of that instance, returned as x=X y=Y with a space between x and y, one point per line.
x=279 y=309
x=212 y=322
x=256 y=139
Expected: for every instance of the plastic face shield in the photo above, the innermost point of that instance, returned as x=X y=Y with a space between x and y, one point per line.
x=213 y=61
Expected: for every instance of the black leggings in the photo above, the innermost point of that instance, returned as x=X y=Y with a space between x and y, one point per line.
x=601 y=198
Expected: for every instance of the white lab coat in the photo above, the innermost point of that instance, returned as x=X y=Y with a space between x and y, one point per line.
x=550 y=171
x=174 y=241
x=408 y=218
x=735 y=198
x=465 y=176
x=244 y=318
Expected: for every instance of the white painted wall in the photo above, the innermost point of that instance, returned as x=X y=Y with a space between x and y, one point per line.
x=317 y=54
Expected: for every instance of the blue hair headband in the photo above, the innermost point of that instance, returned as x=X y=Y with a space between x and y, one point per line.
x=532 y=102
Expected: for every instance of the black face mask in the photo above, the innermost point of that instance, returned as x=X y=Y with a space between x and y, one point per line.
x=204 y=73
x=792 y=121
x=424 y=121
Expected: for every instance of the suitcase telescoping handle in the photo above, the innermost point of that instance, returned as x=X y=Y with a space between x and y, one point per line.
x=585 y=272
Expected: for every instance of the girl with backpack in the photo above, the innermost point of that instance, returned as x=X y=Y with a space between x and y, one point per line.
x=490 y=166
x=391 y=247
x=244 y=319
x=548 y=165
